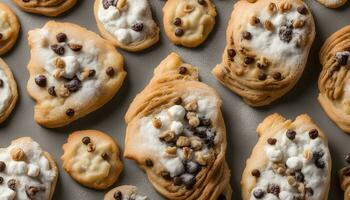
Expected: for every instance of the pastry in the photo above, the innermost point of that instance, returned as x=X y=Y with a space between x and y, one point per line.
x=176 y=134
x=332 y=3
x=344 y=175
x=92 y=158
x=8 y=91
x=127 y=24
x=334 y=80
x=9 y=28
x=290 y=161
x=73 y=72
x=127 y=192
x=51 y=8
x=268 y=43
x=188 y=22
x=26 y=171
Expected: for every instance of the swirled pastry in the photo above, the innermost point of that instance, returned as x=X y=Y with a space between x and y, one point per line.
x=290 y=161
x=9 y=28
x=51 y=8
x=188 y=22
x=176 y=134
x=334 y=79
x=268 y=43
x=344 y=175
x=73 y=72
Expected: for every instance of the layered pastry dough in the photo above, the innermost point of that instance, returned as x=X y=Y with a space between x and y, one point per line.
x=49 y=8
x=290 y=161
x=9 y=28
x=73 y=72
x=268 y=43
x=176 y=134
x=334 y=82
x=344 y=175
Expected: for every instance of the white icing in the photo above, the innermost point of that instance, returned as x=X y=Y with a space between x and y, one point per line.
x=314 y=177
x=5 y=26
x=177 y=112
x=118 y=22
x=35 y=171
x=176 y=127
x=5 y=91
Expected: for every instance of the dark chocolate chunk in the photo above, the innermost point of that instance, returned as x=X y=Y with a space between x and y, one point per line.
x=138 y=27
x=107 y=3
x=262 y=76
x=2 y=166
x=179 y=32
x=92 y=73
x=177 y=21
x=61 y=37
x=271 y=141
x=221 y=197
x=1 y=83
x=273 y=189
x=177 y=181
x=231 y=53
x=286 y=33
x=309 y=192
x=51 y=90
x=256 y=173
x=299 y=176
x=317 y=155
x=202 y=2
x=118 y=195
x=149 y=162
x=320 y=164
x=201 y=131
x=313 y=134
x=246 y=35
x=110 y=71
x=189 y=181
x=165 y=175
x=1 y=180
x=70 y=112
x=59 y=50
x=342 y=59
x=248 y=60
x=12 y=184
x=302 y=10
x=204 y=121
x=86 y=140
x=192 y=167
x=182 y=70
x=277 y=76
x=41 y=80
x=73 y=85
x=105 y=156
x=291 y=134
x=178 y=101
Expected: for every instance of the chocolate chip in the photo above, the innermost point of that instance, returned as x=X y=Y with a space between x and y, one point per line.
x=271 y=141
x=182 y=70
x=262 y=76
x=246 y=35
x=342 y=59
x=320 y=164
x=256 y=173
x=75 y=47
x=201 y=131
x=309 y=192
x=178 y=101
x=248 y=60
x=1 y=180
x=317 y=155
x=204 y=121
x=118 y=195
x=177 y=181
x=221 y=197
x=347 y=158
x=12 y=184
x=73 y=85
x=1 y=36
x=291 y=134
x=192 y=167
x=41 y=80
x=61 y=37
x=107 y=3
x=313 y=134
x=299 y=176
x=70 y=112
x=189 y=182
x=165 y=175
x=59 y=50
x=273 y=189
x=302 y=10
x=1 y=83
x=92 y=73
x=138 y=27
x=105 y=156
x=110 y=71
x=149 y=163
x=86 y=140
x=179 y=32
x=32 y=191
x=2 y=166
x=202 y=2
x=231 y=53
x=51 y=90
x=346 y=171
x=261 y=66
x=177 y=21
x=277 y=76
x=259 y=193
x=286 y=33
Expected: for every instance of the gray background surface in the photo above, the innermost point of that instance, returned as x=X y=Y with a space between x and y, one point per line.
x=241 y=120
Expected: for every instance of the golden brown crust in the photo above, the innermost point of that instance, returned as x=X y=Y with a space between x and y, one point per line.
x=133 y=47
x=164 y=89
x=345 y=182
x=50 y=8
x=197 y=21
x=249 y=65
x=332 y=3
x=6 y=45
x=89 y=167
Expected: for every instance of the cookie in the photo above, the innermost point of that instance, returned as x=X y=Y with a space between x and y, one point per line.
x=332 y=3
x=73 y=72
x=188 y=23
x=334 y=80
x=344 y=175
x=176 y=134
x=267 y=46
x=8 y=91
x=26 y=171
x=51 y=8
x=92 y=159
x=9 y=28
x=128 y=24
x=290 y=161
x=124 y=192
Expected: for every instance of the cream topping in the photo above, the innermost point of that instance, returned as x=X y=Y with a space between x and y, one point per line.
x=5 y=91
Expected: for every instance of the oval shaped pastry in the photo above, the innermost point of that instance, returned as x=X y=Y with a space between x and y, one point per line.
x=8 y=91
x=73 y=72
x=188 y=23
x=290 y=161
x=51 y=8
x=124 y=192
x=334 y=81
x=9 y=28
x=176 y=134
x=128 y=24
x=92 y=159
x=267 y=46
x=26 y=171
x=344 y=177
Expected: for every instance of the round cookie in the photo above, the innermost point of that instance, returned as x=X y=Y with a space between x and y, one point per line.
x=332 y=3
x=73 y=72
x=188 y=23
x=9 y=28
x=8 y=91
x=344 y=177
x=26 y=171
x=124 y=192
x=128 y=24
x=92 y=159
x=51 y=8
